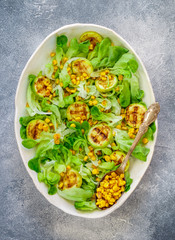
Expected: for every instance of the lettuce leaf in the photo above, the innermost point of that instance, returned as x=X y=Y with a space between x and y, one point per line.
x=85 y=205
x=124 y=143
x=76 y=194
x=110 y=118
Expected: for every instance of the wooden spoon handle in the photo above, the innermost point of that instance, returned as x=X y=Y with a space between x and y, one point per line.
x=149 y=117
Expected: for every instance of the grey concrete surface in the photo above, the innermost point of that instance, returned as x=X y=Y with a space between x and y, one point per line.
x=149 y=26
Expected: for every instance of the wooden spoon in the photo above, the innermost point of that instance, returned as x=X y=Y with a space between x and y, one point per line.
x=149 y=117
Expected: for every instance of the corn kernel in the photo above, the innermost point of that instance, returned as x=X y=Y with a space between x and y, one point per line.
x=119 y=127
x=93 y=158
x=52 y=54
x=85 y=158
x=54 y=62
x=92 y=97
x=82 y=130
x=61 y=185
x=90 y=154
x=107 y=158
x=95 y=171
x=73 y=125
x=145 y=140
x=113 y=144
x=68 y=167
x=120 y=77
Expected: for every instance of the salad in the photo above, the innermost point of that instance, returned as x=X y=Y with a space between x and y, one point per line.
x=83 y=111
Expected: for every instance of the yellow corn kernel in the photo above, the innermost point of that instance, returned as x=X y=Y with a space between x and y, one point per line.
x=45 y=128
x=95 y=102
x=98 y=179
x=99 y=161
x=131 y=130
x=85 y=158
x=104 y=102
x=113 y=144
x=73 y=125
x=62 y=174
x=54 y=62
x=74 y=81
x=53 y=76
x=55 y=68
x=102 y=74
x=60 y=184
x=118 y=100
x=103 y=78
x=119 y=127
x=61 y=66
x=27 y=105
x=90 y=154
x=68 y=167
x=95 y=171
x=52 y=54
x=91 y=47
x=107 y=71
x=82 y=130
x=57 y=136
x=91 y=148
x=107 y=158
x=117 y=89
x=120 y=77
x=145 y=140
x=93 y=158
x=78 y=82
x=57 y=141
x=113 y=157
x=73 y=76
x=87 y=90
x=54 y=94
x=92 y=97
x=57 y=81
x=122 y=115
x=124 y=128
x=90 y=103
x=47 y=120
x=61 y=84
x=65 y=59
x=84 y=74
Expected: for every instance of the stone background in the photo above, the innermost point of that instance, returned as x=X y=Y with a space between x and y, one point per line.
x=149 y=26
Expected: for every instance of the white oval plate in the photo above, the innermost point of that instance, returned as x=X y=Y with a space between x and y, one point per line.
x=36 y=62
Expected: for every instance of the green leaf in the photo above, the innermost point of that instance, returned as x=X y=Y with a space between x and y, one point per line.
x=76 y=194
x=34 y=164
x=52 y=190
x=61 y=41
x=23 y=132
x=125 y=95
x=85 y=205
x=29 y=143
x=128 y=181
x=31 y=78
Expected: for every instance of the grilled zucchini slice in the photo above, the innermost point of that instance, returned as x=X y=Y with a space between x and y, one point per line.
x=106 y=85
x=93 y=37
x=78 y=111
x=81 y=66
x=42 y=86
x=100 y=136
x=35 y=128
x=71 y=179
x=135 y=114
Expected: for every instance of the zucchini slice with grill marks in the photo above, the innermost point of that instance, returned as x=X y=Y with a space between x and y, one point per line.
x=42 y=86
x=100 y=136
x=71 y=179
x=81 y=66
x=135 y=114
x=78 y=111
x=106 y=85
x=93 y=37
x=35 y=128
